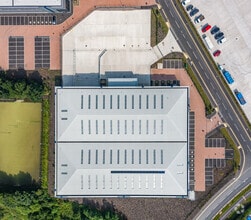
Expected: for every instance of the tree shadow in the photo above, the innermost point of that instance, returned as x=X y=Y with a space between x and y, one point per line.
x=105 y=207
x=20 y=181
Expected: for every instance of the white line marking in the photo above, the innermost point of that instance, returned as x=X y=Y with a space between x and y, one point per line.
x=177 y=24
x=183 y=36
x=189 y=45
x=202 y=68
x=230 y=116
x=171 y=13
x=218 y=96
x=242 y=138
x=195 y=55
x=235 y=125
x=224 y=106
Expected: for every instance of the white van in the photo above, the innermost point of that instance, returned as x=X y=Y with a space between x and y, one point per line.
x=222 y=40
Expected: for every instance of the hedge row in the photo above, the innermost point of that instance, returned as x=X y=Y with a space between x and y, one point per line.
x=45 y=142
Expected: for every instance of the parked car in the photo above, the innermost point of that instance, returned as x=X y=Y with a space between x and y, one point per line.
x=206 y=28
x=194 y=11
x=215 y=30
x=184 y=2
x=222 y=40
x=189 y=7
x=217 y=53
x=218 y=35
x=199 y=18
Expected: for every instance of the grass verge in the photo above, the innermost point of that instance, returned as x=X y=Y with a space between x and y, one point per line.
x=209 y=109
x=45 y=142
x=159 y=28
x=232 y=202
x=226 y=135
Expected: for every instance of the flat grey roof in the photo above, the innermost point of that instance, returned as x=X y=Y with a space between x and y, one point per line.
x=121 y=141
x=30 y=3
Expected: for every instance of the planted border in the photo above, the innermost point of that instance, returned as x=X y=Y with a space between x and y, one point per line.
x=45 y=142
x=229 y=139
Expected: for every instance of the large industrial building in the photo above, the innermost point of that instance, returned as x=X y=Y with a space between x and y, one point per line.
x=34 y=6
x=121 y=141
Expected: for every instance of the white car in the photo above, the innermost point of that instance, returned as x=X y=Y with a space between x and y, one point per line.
x=184 y=2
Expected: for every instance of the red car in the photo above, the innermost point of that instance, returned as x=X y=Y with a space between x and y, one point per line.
x=206 y=28
x=217 y=53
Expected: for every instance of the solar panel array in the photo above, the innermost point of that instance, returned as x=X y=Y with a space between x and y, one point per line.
x=16 y=52
x=42 y=52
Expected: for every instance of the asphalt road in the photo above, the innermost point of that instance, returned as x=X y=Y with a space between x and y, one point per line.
x=220 y=98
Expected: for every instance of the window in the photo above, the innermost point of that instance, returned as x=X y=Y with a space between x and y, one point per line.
x=132 y=156
x=139 y=126
x=154 y=101
x=132 y=126
x=82 y=101
x=89 y=126
x=89 y=156
x=96 y=156
x=147 y=101
x=146 y=156
x=154 y=127
x=96 y=101
x=110 y=101
x=125 y=126
x=103 y=126
x=139 y=156
x=103 y=156
x=118 y=126
x=110 y=156
x=154 y=156
x=125 y=101
x=162 y=102
x=89 y=101
x=103 y=101
x=117 y=156
x=147 y=126
x=82 y=155
x=96 y=126
x=82 y=127
x=118 y=98
x=125 y=156
x=132 y=101
x=162 y=125
x=110 y=126
x=161 y=156
x=139 y=101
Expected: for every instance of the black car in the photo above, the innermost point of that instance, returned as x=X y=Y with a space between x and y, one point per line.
x=219 y=35
x=194 y=11
x=189 y=7
x=214 y=30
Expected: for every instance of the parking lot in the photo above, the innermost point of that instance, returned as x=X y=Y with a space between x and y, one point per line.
x=234 y=20
x=172 y=63
x=27 y=20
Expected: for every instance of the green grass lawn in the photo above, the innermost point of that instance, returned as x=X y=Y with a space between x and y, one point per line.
x=20 y=131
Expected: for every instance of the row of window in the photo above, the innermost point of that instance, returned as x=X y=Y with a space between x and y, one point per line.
x=140 y=182
x=121 y=156
x=126 y=127
x=122 y=101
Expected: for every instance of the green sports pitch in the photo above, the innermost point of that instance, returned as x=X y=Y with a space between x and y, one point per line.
x=20 y=135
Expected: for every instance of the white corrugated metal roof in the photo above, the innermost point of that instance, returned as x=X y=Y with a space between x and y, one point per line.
x=124 y=136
